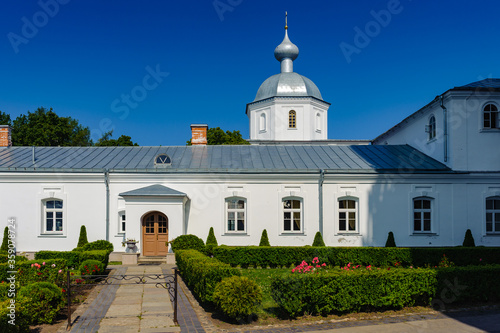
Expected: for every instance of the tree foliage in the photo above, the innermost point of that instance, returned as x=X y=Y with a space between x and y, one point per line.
x=123 y=140
x=5 y=119
x=217 y=136
x=5 y=241
x=264 y=240
x=468 y=239
x=391 y=242
x=318 y=240
x=82 y=240
x=45 y=128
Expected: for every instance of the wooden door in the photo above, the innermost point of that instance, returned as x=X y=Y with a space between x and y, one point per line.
x=154 y=234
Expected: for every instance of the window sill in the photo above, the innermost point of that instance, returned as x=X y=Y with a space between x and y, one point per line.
x=424 y=234
x=489 y=130
x=346 y=233
x=492 y=235
x=51 y=236
x=292 y=233
x=242 y=233
x=432 y=140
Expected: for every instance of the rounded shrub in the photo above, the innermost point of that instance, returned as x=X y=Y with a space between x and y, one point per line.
x=92 y=267
x=188 y=242
x=264 y=240
x=318 y=240
x=43 y=301
x=237 y=296
x=98 y=245
x=14 y=317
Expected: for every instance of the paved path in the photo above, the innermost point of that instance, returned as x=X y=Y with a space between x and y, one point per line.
x=131 y=307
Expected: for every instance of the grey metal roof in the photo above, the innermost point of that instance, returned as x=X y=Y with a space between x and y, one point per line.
x=486 y=83
x=153 y=191
x=213 y=159
x=287 y=84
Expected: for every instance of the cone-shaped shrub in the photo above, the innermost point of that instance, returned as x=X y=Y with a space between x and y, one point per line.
x=211 y=240
x=82 y=240
x=318 y=240
x=468 y=240
x=264 y=241
x=390 y=240
x=5 y=242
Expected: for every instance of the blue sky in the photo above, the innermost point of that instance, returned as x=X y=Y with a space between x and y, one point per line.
x=184 y=62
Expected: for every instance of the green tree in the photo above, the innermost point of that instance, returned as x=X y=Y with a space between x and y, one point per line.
x=106 y=141
x=5 y=241
x=390 y=240
x=45 y=128
x=318 y=240
x=217 y=136
x=211 y=240
x=5 y=119
x=264 y=240
x=82 y=240
x=468 y=239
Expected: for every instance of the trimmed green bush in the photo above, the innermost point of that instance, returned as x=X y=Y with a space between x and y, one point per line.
x=43 y=301
x=468 y=239
x=282 y=256
x=98 y=245
x=14 y=317
x=75 y=258
x=390 y=240
x=78 y=249
x=202 y=273
x=5 y=257
x=318 y=240
x=211 y=242
x=343 y=292
x=264 y=240
x=188 y=242
x=82 y=240
x=92 y=267
x=35 y=271
x=237 y=296
x=5 y=240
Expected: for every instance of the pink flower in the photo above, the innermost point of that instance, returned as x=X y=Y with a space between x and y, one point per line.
x=323 y=264
x=43 y=263
x=31 y=265
x=480 y=259
x=60 y=271
x=53 y=265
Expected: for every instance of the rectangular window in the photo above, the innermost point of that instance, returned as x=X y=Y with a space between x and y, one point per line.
x=53 y=216
x=292 y=215
x=347 y=215
x=122 y=222
x=493 y=215
x=236 y=211
x=422 y=215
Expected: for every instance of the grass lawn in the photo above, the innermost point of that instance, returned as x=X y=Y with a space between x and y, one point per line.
x=268 y=307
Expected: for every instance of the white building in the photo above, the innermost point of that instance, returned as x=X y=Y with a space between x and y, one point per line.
x=427 y=179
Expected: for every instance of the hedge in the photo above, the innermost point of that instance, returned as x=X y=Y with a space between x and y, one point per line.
x=75 y=258
x=202 y=273
x=364 y=290
x=38 y=272
x=282 y=256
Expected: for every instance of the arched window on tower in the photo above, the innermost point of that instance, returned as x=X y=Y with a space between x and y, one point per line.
x=318 y=122
x=262 y=122
x=292 y=119
x=431 y=128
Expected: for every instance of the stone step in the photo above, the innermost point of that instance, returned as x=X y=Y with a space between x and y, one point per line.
x=156 y=260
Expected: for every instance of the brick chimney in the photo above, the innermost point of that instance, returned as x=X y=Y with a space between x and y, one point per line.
x=199 y=134
x=5 y=138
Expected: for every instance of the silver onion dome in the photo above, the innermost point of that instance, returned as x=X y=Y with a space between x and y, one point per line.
x=287 y=83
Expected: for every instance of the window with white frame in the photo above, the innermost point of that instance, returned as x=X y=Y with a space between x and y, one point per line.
x=490 y=116
x=318 y=122
x=422 y=215
x=53 y=216
x=235 y=215
x=493 y=215
x=348 y=215
x=262 y=122
x=292 y=215
x=122 y=219
x=431 y=128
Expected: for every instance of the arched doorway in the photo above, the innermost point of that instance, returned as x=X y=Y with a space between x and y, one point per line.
x=154 y=234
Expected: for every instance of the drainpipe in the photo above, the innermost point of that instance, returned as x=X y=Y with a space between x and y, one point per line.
x=106 y=182
x=445 y=121
x=320 y=198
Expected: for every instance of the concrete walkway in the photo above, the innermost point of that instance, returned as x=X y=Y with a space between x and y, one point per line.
x=130 y=307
